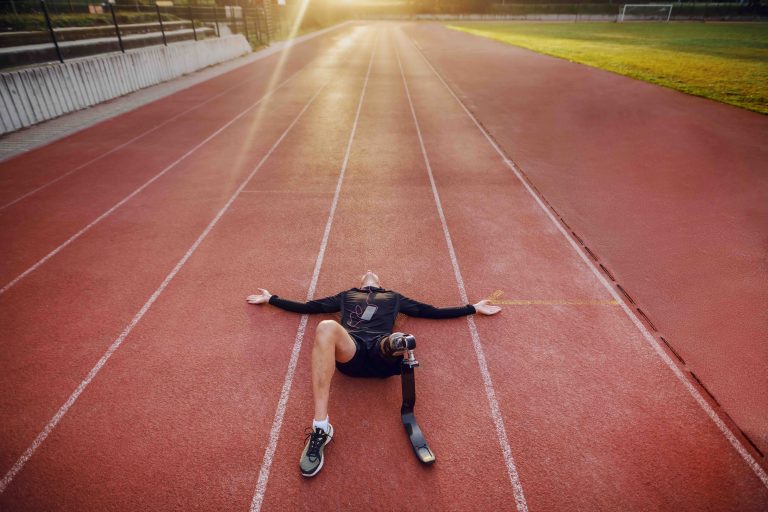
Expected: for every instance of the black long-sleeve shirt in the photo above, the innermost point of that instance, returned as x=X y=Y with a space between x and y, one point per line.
x=385 y=305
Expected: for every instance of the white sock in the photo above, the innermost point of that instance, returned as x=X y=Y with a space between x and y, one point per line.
x=323 y=424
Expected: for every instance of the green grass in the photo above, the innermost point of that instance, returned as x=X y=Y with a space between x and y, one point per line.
x=727 y=62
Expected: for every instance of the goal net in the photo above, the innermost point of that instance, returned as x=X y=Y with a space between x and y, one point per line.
x=646 y=12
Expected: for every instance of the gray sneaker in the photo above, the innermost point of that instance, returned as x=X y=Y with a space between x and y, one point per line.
x=312 y=457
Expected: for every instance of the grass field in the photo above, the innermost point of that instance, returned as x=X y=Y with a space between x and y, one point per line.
x=726 y=62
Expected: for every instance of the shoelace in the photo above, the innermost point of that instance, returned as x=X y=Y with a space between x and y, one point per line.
x=316 y=441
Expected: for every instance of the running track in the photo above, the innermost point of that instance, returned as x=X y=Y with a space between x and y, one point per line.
x=349 y=153
x=669 y=192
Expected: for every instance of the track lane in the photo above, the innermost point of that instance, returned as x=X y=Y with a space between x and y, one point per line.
x=29 y=230
x=37 y=230
x=387 y=221
x=651 y=446
x=164 y=122
x=477 y=344
x=60 y=319
x=285 y=389
x=669 y=190
x=200 y=389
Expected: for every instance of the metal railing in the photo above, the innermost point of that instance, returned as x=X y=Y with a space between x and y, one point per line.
x=35 y=31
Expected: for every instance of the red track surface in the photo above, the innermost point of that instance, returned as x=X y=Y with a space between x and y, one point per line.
x=669 y=190
x=179 y=418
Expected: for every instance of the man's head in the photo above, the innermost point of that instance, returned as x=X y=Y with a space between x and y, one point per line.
x=369 y=279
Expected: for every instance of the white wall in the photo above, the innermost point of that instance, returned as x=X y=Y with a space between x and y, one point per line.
x=32 y=95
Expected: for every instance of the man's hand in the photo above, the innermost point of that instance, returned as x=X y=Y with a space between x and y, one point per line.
x=484 y=307
x=260 y=298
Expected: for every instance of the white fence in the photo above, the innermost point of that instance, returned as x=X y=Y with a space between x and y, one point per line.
x=31 y=95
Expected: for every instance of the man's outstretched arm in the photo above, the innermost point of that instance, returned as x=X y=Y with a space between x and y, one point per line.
x=415 y=308
x=330 y=304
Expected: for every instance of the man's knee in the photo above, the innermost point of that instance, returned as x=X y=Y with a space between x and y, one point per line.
x=327 y=332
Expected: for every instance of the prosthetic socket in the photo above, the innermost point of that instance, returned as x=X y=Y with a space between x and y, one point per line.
x=397 y=342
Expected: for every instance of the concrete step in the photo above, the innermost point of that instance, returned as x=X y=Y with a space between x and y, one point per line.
x=76 y=33
x=20 y=56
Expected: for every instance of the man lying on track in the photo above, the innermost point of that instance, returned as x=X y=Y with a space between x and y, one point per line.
x=362 y=345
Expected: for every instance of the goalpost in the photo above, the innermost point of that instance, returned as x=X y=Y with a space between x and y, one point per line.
x=646 y=12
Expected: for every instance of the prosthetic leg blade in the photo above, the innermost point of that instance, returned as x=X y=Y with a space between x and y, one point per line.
x=419 y=444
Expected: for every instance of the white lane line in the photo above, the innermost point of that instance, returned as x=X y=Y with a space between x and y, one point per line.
x=141 y=135
x=277 y=423
x=498 y=420
x=751 y=462
x=116 y=148
x=138 y=190
x=137 y=318
x=37 y=136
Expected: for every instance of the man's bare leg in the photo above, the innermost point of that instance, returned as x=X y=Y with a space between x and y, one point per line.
x=332 y=343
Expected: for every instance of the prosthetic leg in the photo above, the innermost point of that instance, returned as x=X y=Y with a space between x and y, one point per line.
x=420 y=447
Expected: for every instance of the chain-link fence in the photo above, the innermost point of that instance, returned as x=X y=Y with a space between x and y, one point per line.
x=35 y=31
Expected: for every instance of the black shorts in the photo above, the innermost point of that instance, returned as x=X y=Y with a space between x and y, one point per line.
x=368 y=361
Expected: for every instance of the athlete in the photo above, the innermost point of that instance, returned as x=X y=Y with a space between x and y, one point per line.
x=362 y=345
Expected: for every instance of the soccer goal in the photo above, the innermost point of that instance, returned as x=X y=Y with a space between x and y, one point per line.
x=648 y=12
